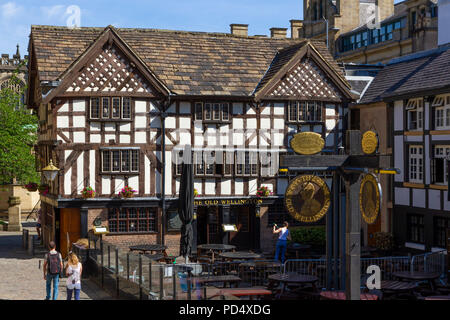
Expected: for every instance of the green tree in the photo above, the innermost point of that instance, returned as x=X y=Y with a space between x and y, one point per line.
x=18 y=134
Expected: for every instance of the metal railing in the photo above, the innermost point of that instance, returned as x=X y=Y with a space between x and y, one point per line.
x=130 y=275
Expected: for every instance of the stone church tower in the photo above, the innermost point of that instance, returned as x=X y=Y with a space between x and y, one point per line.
x=342 y=16
x=9 y=65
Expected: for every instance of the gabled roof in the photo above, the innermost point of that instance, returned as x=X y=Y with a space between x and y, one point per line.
x=411 y=75
x=187 y=63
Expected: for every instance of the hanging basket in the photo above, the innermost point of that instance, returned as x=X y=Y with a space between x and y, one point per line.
x=127 y=192
x=43 y=189
x=31 y=187
x=88 y=193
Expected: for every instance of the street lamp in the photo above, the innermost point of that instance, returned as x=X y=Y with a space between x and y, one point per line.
x=50 y=171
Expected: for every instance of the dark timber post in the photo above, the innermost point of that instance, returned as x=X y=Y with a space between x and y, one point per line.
x=225 y=220
x=163 y=173
x=336 y=184
x=353 y=224
x=329 y=250
x=83 y=222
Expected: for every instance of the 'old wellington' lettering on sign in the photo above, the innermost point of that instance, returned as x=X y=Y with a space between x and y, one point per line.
x=227 y=202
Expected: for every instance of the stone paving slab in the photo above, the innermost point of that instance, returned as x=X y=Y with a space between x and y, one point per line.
x=21 y=278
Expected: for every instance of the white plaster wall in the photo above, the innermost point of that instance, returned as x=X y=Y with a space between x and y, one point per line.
x=446 y=203
x=427 y=161
x=79 y=105
x=95 y=126
x=79 y=121
x=185 y=107
x=402 y=196
x=147 y=170
x=252 y=186
x=210 y=187
x=444 y=137
x=80 y=173
x=225 y=186
x=92 y=173
x=119 y=184
x=278 y=108
x=398 y=115
x=110 y=127
x=140 y=122
x=239 y=186
x=185 y=123
x=419 y=198
x=170 y=123
x=133 y=182
x=67 y=182
x=198 y=186
x=62 y=122
x=124 y=138
x=95 y=138
x=64 y=107
x=140 y=137
x=434 y=199
x=398 y=157
x=140 y=106
x=79 y=137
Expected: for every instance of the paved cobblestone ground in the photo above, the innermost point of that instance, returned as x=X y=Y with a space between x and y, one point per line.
x=21 y=278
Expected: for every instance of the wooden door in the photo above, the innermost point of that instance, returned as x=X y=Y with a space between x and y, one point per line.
x=70 y=229
x=242 y=239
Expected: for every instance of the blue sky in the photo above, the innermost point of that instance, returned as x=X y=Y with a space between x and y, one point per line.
x=16 y=16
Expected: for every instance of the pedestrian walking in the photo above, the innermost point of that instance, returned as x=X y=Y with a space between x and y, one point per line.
x=53 y=267
x=38 y=224
x=284 y=236
x=73 y=272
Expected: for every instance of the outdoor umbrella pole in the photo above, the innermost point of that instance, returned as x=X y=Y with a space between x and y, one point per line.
x=186 y=204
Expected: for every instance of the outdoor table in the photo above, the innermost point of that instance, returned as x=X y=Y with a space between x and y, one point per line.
x=260 y=268
x=215 y=248
x=240 y=255
x=340 y=295
x=297 y=247
x=149 y=247
x=418 y=276
x=292 y=278
x=437 y=298
x=155 y=257
x=230 y=279
x=396 y=287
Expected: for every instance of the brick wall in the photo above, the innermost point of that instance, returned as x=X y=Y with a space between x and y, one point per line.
x=124 y=241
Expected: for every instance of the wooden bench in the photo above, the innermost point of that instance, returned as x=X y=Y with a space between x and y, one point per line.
x=212 y=279
x=243 y=292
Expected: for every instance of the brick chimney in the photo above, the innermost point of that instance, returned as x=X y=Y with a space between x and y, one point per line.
x=278 y=33
x=296 y=27
x=239 y=29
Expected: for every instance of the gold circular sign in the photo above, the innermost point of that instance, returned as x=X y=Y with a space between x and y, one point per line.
x=369 y=142
x=307 y=143
x=370 y=198
x=307 y=198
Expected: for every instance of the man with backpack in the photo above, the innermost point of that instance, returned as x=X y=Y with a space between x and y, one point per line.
x=52 y=269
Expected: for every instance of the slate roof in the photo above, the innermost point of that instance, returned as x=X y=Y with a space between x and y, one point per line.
x=412 y=74
x=188 y=63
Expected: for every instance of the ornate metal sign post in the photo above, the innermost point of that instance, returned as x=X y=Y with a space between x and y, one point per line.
x=308 y=198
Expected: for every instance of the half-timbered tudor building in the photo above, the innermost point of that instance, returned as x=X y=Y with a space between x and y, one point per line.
x=416 y=91
x=116 y=107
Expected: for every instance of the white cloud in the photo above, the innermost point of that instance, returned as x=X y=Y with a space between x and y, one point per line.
x=54 y=11
x=10 y=9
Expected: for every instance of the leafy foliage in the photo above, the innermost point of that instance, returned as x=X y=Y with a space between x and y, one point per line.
x=18 y=132
x=314 y=235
